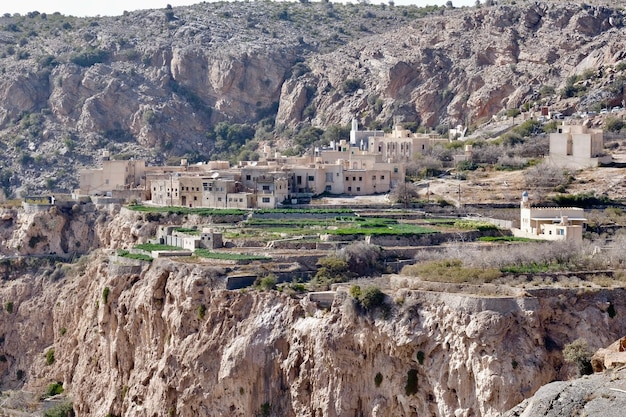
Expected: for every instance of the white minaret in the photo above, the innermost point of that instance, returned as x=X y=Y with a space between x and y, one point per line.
x=355 y=128
x=525 y=203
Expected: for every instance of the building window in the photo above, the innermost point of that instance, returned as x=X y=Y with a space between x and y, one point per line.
x=360 y=178
x=266 y=188
x=298 y=179
x=347 y=178
x=395 y=170
x=241 y=200
x=311 y=178
x=382 y=177
x=353 y=178
x=349 y=188
x=195 y=198
x=328 y=188
x=266 y=199
x=219 y=198
x=373 y=177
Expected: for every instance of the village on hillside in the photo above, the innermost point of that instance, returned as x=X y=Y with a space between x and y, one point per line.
x=368 y=163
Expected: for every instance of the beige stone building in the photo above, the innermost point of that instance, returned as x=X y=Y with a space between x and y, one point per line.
x=577 y=147
x=550 y=223
x=114 y=175
x=402 y=145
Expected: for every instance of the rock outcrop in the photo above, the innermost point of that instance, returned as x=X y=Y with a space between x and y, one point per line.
x=598 y=395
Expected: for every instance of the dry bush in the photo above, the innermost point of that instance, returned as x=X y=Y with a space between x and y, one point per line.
x=404 y=193
x=487 y=154
x=561 y=253
x=545 y=176
x=424 y=166
x=363 y=259
x=535 y=147
x=512 y=162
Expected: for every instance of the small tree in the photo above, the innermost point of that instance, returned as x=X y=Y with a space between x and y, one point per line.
x=332 y=269
x=404 y=193
x=351 y=85
x=449 y=5
x=579 y=354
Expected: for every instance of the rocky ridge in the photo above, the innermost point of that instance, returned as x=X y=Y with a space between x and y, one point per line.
x=154 y=84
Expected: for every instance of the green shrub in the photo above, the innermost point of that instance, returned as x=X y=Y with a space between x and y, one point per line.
x=8 y=306
x=266 y=283
x=62 y=331
x=579 y=354
x=332 y=269
x=266 y=409
x=105 y=294
x=89 y=57
x=201 y=311
x=149 y=247
x=420 y=357
x=50 y=356
x=351 y=85
x=451 y=270
x=378 y=379
x=54 y=389
x=475 y=225
x=411 y=382
x=372 y=298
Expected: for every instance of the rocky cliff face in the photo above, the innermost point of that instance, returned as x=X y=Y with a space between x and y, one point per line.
x=140 y=339
x=151 y=84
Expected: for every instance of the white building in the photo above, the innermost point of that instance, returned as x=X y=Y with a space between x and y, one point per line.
x=550 y=223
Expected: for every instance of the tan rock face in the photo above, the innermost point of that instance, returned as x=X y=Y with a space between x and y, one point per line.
x=139 y=342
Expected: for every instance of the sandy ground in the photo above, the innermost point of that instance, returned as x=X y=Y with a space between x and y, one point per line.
x=491 y=186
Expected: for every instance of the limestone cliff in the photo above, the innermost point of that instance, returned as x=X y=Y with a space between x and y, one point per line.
x=136 y=341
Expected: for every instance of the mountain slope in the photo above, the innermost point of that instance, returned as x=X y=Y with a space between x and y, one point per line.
x=156 y=84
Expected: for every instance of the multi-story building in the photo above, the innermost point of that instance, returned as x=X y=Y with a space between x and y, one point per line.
x=577 y=147
x=401 y=145
x=114 y=175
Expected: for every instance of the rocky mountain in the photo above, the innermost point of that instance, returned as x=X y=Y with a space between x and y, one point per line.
x=157 y=84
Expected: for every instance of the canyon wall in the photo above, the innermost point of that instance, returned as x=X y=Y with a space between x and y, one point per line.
x=135 y=341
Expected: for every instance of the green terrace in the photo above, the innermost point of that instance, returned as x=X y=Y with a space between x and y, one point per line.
x=205 y=253
x=149 y=247
x=187 y=210
x=339 y=225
